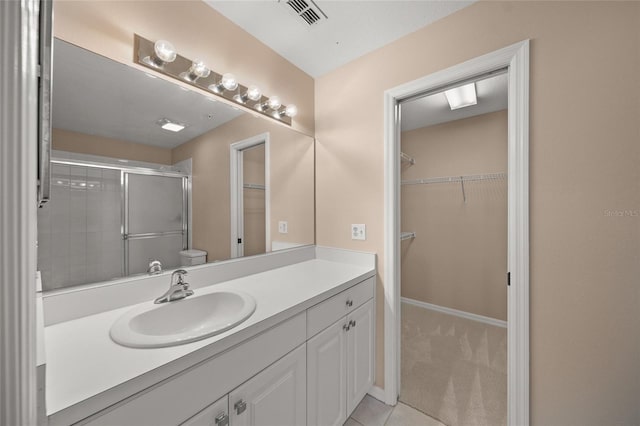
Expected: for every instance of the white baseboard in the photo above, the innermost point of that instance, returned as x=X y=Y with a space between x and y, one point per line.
x=377 y=393
x=455 y=312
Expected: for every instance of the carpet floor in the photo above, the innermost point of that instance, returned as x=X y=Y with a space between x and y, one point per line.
x=454 y=369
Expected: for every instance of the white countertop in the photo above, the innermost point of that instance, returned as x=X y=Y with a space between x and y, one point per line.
x=87 y=371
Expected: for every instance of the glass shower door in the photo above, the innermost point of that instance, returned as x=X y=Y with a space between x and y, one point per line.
x=155 y=222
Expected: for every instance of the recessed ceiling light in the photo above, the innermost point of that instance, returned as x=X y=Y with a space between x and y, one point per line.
x=462 y=96
x=172 y=126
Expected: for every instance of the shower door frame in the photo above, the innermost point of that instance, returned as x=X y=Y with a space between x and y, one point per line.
x=125 y=232
x=516 y=59
x=125 y=171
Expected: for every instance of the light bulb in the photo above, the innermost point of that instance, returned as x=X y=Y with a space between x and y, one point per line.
x=274 y=103
x=254 y=93
x=229 y=81
x=165 y=51
x=291 y=111
x=199 y=69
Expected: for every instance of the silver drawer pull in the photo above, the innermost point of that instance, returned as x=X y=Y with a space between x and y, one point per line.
x=222 y=420
x=346 y=327
x=349 y=303
x=240 y=406
x=352 y=323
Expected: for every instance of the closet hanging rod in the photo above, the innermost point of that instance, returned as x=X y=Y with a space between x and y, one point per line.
x=254 y=186
x=407 y=235
x=408 y=158
x=452 y=179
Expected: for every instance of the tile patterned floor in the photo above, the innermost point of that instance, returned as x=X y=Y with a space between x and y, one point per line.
x=371 y=412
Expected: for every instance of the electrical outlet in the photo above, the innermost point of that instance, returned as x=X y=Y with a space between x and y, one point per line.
x=283 y=227
x=358 y=231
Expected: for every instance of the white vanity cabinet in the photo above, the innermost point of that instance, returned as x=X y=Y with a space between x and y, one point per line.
x=340 y=358
x=360 y=354
x=217 y=414
x=312 y=368
x=178 y=398
x=276 y=396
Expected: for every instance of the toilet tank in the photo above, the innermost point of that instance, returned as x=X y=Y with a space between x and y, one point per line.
x=193 y=257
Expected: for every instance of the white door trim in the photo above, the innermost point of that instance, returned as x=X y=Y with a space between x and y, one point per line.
x=18 y=210
x=236 y=184
x=516 y=58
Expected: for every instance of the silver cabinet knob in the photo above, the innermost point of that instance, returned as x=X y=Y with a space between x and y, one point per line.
x=349 y=303
x=346 y=327
x=222 y=420
x=240 y=406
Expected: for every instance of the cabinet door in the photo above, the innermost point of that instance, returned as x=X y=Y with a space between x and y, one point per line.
x=327 y=376
x=360 y=354
x=275 y=397
x=216 y=414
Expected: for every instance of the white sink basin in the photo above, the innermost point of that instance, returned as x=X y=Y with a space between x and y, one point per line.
x=182 y=321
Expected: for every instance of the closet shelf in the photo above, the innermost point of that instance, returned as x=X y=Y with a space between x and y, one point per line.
x=409 y=159
x=407 y=236
x=254 y=186
x=455 y=179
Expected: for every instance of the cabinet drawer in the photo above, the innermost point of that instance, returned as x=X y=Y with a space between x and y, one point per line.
x=326 y=313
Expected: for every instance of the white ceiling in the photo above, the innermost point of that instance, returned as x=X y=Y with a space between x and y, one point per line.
x=434 y=109
x=353 y=28
x=97 y=96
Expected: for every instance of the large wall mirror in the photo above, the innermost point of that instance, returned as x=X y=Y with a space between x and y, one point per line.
x=128 y=190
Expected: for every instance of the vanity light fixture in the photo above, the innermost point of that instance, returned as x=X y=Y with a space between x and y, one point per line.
x=198 y=70
x=227 y=82
x=252 y=93
x=162 y=57
x=462 y=96
x=163 y=53
x=272 y=103
x=172 y=126
x=291 y=110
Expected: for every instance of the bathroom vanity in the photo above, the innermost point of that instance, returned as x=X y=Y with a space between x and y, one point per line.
x=305 y=355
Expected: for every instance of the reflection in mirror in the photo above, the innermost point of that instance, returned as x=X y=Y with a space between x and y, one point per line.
x=127 y=191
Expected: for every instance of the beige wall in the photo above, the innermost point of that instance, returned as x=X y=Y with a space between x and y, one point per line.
x=584 y=157
x=65 y=140
x=197 y=31
x=459 y=258
x=292 y=183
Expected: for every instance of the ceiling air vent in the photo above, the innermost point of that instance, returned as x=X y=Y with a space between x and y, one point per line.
x=307 y=10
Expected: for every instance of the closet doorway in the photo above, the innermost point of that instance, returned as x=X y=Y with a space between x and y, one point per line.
x=250 y=196
x=514 y=60
x=453 y=254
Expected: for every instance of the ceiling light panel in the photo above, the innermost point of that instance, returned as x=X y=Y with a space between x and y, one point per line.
x=462 y=96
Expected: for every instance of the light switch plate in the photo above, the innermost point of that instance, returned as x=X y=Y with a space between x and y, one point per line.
x=358 y=231
x=283 y=227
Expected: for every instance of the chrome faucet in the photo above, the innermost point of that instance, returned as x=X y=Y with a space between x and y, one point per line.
x=155 y=267
x=178 y=288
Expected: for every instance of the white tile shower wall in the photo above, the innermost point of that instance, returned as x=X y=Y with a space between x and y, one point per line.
x=79 y=237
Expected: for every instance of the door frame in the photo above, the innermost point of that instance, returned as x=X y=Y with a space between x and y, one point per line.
x=516 y=59
x=22 y=359
x=236 y=186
